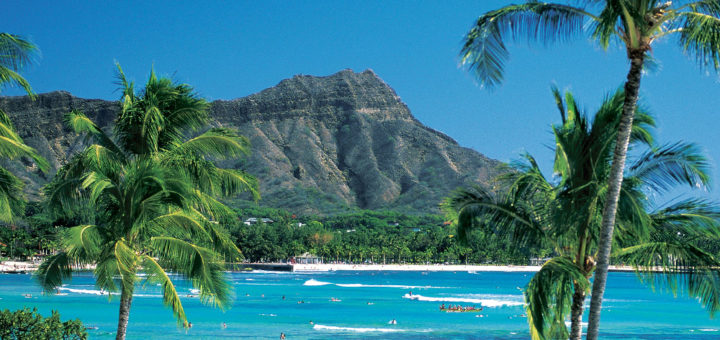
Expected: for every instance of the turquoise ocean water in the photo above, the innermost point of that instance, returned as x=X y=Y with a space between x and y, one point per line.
x=368 y=301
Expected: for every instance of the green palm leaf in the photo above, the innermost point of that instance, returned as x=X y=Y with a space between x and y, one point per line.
x=484 y=51
x=548 y=296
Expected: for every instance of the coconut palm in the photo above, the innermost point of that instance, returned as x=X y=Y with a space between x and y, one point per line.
x=15 y=54
x=154 y=194
x=566 y=214
x=635 y=24
x=11 y=187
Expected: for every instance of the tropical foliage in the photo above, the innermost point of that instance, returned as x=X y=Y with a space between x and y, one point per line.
x=154 y=197
x=368 y=237
x=15 y=54
x=28 y=324
x=634 y=24
x=565 y=212
x=11 y=188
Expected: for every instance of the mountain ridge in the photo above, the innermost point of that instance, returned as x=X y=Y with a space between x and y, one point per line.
x=319 y=144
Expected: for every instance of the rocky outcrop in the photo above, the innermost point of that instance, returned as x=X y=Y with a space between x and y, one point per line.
x=319 y=144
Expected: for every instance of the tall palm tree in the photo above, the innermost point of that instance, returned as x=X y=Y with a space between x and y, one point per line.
x=565 y=214
x=154 y=194
x=15 y=54
x=636 y=24
x=11 y=187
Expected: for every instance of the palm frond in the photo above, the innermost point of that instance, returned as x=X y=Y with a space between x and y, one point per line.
x=201 y=265
x=11 y=195
x=668 y=166
x=548 y=296
x=484 y=50
x=53 y=271
x=477 y=208
x=82 y=243
x=15 y=54
x=676 y=265
x=81 y=124
x=157 y=275
x=700 y=37
x=691 y=217
x=218 y=143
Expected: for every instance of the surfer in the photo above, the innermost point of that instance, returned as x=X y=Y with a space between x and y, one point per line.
x=282 y=335
x=393 y=322
x=224 y=325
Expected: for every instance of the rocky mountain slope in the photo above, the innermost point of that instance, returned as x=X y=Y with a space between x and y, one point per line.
x=319 y=144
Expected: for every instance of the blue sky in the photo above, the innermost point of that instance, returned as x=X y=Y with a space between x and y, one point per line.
x=231 y=49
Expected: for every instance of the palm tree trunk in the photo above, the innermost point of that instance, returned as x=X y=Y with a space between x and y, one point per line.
x=576 y=312
x=632 y=86
x=125 y=302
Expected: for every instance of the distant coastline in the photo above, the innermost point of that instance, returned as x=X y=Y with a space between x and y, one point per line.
x=18 y=267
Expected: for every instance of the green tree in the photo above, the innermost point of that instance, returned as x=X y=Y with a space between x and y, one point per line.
x=27 y=324
x=635 y=24
x=154 y=193
x=567 y=215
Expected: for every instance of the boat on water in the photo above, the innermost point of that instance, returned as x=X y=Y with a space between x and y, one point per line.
x=461 y=310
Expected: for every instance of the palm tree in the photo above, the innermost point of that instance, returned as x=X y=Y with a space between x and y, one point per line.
x=565 y=214
x=636 y=24
x=15 y=54
x=11 y=188
x=154 y=196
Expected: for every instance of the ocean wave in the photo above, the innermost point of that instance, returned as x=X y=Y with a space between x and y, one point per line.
x=100 y=292
x=313 y=282
x=358 y=329
x=84 y=291
x=490 y=301
x=360 y=285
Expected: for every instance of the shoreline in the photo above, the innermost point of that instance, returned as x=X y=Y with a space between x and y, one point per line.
x=326 y=267
x=23 y=267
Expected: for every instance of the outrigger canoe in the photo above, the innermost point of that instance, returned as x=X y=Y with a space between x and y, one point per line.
x=474 y=310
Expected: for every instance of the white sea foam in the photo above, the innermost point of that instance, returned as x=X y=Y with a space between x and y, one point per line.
x=360 y=285
x=358 y=329
x=84 y=291
x=708 y=330
x=489 y=301
x=100 y=292
x=313 y=282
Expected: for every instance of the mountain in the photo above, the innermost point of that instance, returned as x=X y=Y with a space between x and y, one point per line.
x=319 y=144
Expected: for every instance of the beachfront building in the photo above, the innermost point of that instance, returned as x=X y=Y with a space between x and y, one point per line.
x=308 y=258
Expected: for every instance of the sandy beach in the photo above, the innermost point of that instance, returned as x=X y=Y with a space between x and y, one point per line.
x=414 y=267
